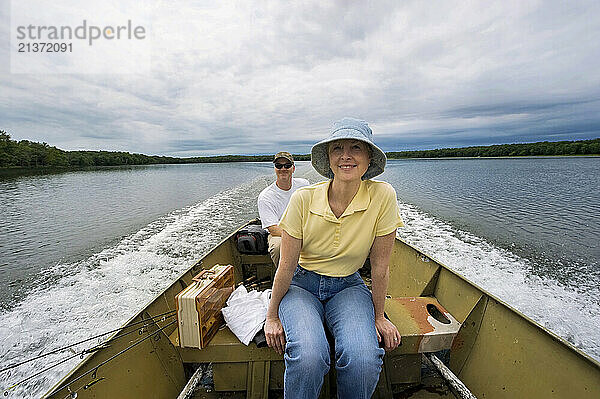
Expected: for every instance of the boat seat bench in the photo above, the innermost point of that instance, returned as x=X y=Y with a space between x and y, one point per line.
x=420 y=330
x=224 y=347
x=424 y=324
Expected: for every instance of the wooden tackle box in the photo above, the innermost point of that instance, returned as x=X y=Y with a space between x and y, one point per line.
x=199 y=305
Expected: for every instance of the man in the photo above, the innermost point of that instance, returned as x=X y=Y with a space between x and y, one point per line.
x=273 y=200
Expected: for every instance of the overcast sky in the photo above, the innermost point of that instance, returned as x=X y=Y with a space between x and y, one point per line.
x=255 y=77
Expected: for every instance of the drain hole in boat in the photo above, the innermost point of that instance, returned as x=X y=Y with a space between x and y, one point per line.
x=436 y=314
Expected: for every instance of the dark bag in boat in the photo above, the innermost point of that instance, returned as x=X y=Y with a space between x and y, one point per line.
x=252 y=240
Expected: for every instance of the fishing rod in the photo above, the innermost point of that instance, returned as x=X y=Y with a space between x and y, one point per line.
x=165 y=315
x=95 y=369
x=6 y=392
x=93 y=349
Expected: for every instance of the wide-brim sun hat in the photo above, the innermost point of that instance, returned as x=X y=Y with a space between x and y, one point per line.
x=352 y=129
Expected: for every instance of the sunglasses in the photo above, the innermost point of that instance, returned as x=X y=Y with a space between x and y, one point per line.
x=284 y=165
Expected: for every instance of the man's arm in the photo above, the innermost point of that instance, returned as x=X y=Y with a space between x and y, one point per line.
x=268 y=214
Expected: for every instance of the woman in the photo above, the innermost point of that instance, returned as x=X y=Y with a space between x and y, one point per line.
x=329 y=229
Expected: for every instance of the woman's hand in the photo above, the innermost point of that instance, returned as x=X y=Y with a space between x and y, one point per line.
x=274 y=334
x=387 y=331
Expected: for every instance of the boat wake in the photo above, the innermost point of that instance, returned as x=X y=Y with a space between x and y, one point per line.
x=103 y=291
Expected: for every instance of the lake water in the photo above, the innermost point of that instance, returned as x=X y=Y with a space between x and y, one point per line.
x=82 y=251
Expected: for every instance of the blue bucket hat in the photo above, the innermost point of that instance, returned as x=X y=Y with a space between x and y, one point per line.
x=353 y=129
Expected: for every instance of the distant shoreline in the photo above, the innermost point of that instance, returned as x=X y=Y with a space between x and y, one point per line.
x=16 y=171
x=508 y=157
x=27 y=157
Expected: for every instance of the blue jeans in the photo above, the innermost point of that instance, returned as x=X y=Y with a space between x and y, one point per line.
x=345 y=305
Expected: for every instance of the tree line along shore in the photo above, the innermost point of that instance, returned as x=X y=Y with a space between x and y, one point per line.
x=28 y=154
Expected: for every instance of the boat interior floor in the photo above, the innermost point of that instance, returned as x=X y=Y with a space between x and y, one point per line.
x=234 y=370
x=429 y=388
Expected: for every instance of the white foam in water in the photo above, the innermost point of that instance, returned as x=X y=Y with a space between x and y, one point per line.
x=102 y=292
x=106 y=289
x=570 y=312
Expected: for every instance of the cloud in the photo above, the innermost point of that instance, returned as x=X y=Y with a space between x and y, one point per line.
x=242 y=78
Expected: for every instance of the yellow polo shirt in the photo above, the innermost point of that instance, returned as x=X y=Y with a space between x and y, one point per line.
x=339 y=247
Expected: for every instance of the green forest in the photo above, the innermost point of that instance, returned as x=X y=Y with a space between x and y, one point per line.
x=29 y=154
x=580 y=147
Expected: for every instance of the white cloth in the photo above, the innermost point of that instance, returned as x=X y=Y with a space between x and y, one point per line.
x=246 y=312
x=272 y=201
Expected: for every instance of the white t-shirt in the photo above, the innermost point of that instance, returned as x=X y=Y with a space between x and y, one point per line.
x=272 y=202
